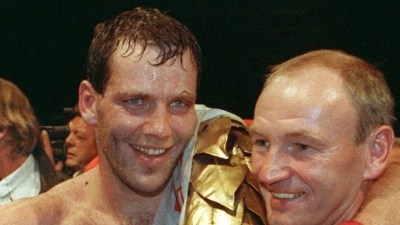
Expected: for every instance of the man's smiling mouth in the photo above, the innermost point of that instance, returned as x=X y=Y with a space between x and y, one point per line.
x=150 y=151
x=286 y=195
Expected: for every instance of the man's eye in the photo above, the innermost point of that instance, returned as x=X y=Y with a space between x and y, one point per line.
x=178 y=104
x=303 y=147
x=81 y=137
x=299 y=147
x=261 y=143
x=135 y=101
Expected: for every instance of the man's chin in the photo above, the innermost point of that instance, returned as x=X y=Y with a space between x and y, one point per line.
x=70 y=164
x=148 y=190
x=149 y=186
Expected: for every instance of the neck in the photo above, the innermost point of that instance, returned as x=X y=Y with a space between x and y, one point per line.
x=355 y=206
x=9 y=161
x=126 y=203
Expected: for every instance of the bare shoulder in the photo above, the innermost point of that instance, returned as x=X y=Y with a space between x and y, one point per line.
x=41 y=209
x=67 y=202
x=381 y=204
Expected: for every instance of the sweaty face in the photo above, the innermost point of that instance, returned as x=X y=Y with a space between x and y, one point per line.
x=308 y=166
x=81 y=144
x=146 y=117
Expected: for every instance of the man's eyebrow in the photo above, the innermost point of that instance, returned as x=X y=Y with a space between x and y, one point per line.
x=299 y=133
x=307 y=135
x=254 y=129
x=131 y=94
x=186 y=94
x=303 y=133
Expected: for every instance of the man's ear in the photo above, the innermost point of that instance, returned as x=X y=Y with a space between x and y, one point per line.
x=379 y=146
x=87 y=107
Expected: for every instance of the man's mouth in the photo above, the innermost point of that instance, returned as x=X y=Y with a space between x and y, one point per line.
x=286 y=195
x=150 y=151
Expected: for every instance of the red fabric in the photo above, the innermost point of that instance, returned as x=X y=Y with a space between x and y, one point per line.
x=91 y=164
x=248 y=121
x=351 y=223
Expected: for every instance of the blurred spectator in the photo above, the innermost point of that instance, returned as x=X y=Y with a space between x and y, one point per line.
x=25 y=170
x=81 y=143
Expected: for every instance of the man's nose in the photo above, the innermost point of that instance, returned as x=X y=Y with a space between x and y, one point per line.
x=69 y=140
x=158 y=124
x=276 y=167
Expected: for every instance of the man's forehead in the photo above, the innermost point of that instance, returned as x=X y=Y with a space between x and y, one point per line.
x=306 y=74
x=136 y=52
x=286 y=132
x=152 y=55
x=306 y=82
x=299 y=98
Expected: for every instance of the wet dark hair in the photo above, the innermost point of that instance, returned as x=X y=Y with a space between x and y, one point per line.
x=142 y=26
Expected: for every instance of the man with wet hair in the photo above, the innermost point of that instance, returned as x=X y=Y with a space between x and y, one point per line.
x=155 y=145
x=80 y=143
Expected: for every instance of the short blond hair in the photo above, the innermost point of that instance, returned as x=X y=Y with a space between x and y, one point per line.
x=365 y=85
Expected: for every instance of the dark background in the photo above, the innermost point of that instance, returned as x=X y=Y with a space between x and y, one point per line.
x=44 y=43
